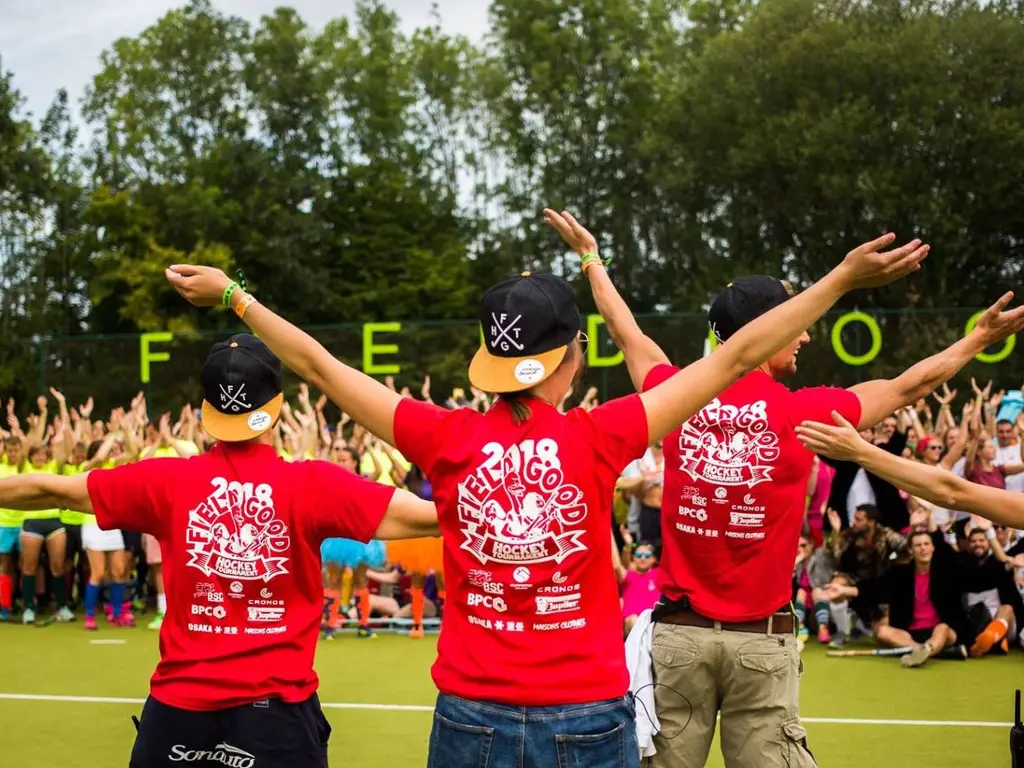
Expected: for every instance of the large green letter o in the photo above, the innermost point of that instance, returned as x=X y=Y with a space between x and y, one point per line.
x=873 y=329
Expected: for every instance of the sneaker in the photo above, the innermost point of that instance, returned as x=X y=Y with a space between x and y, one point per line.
x=803 y=633
x=64 y=614
x=157 y=622
x=986 y=641
x=5 y=615
x=126 y=620
x=90 y=623
x=416 y=632
x=28 y=617
x=838 y=642
x=824 y=636
x=139 y=605
x=918 y=656
x=367 y=633
x=1004 y=647
x=956 y=652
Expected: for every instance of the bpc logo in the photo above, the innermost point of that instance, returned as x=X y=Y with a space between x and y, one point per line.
x=487 y=601
x=214 y=611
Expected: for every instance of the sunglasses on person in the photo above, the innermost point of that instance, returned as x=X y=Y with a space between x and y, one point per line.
x=643 y=555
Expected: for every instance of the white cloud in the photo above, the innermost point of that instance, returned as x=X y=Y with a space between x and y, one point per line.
x=56 y=44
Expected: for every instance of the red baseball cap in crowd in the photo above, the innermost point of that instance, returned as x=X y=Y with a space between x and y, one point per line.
x=745 y=300
x=242 y=391
x=529 y=322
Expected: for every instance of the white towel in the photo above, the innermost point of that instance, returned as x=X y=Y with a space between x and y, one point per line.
x=641 y=681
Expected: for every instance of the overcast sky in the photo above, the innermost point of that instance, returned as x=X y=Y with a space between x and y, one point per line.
x=52 y=44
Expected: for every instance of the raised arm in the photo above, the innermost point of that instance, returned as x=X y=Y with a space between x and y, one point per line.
x=881 y=397
x=639 y=350
x=32 y=491
x=841 y=441
x=369 y=402
x=408 y=517
x=678 y=398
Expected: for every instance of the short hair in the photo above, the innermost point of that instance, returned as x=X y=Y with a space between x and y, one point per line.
x=870 y=512
x=916 y=534
x=977 y=532
x=1004 y=421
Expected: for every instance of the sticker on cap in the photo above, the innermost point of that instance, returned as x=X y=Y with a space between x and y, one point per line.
x=529 y=371
x=259 y=421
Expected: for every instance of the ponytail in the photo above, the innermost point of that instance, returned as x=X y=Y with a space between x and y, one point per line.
x=519 y=407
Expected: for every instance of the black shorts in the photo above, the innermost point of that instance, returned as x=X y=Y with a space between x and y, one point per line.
x=42 y=528
x=132 y=542
x=921 y=635
x=74 y=545
x=650 y=525
x=266 y=733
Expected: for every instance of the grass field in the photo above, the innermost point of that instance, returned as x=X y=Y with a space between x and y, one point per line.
x=945 y=715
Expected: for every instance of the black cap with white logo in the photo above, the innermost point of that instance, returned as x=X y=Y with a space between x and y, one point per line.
x=744 y=300
x=242 y=391
x=528 y=323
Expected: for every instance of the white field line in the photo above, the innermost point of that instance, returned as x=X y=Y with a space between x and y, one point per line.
x=420 y=708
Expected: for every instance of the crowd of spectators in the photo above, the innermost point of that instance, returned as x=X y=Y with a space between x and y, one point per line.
x=872 y=559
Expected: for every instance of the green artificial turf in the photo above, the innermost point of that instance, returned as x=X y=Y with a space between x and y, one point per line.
x=61 y=660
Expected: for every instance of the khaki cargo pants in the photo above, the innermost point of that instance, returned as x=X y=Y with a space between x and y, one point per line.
x=751 y=679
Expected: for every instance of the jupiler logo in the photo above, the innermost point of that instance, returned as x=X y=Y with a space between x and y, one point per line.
x=517 y=508
x=236 y=534
x=728 y=445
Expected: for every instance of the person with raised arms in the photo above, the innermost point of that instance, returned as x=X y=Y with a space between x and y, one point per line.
x=531 y=667
x=928 y=482
x=733 y=502
x=240 y=531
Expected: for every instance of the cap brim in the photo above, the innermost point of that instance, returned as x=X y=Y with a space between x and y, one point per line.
x=512 y=374
x=237 y=428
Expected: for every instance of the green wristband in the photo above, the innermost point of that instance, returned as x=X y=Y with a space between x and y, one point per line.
x=226 y=298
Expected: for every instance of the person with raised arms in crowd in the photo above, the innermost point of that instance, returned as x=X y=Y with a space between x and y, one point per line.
x=733 y=507
x=840 y=440
x=240 y=532
x=531 y=666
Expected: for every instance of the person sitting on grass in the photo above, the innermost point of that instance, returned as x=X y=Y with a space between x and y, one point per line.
x=925 y=601
x=812 y=573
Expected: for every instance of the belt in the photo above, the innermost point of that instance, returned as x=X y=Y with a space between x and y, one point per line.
x=776 y=624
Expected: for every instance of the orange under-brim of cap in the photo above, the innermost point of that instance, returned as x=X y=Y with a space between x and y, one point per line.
x=239 y=427
x=499 y=375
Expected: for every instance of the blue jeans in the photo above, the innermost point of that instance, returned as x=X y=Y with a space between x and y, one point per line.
x=473 y=734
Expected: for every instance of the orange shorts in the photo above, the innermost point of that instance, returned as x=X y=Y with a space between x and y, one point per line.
x=417 y=555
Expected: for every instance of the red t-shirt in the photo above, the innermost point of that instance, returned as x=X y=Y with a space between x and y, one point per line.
x=240 y=532
x=735 y=488
x=925 y=616
x=993 y=478
x=532 y=610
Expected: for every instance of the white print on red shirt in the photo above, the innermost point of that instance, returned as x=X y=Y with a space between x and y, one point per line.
x=516 y=507
x=729 y=445
x=235 y=533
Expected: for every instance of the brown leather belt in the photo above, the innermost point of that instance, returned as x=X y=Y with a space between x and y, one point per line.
x=776 y=624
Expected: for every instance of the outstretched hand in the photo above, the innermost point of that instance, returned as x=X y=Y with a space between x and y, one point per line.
x=202 y=286
x=841 y=441
x=867 y=266
x=574 y=234
x=997 y=323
